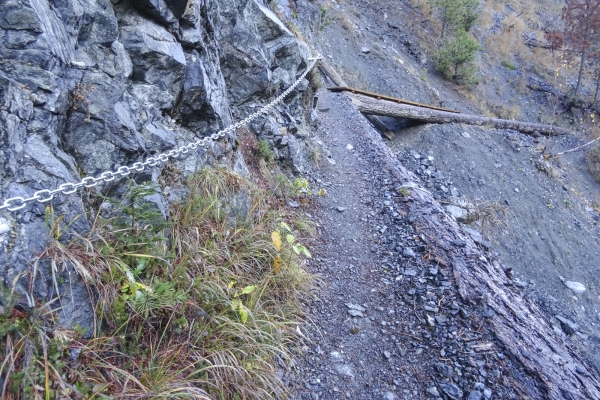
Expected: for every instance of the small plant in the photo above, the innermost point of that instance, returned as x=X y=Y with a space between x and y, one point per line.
x=300 y=187
x=456 y=59
x=403 y=191
x=508 y=65
x=265 y=152
x=237 y=303
x=298 y=248
x=326 y=18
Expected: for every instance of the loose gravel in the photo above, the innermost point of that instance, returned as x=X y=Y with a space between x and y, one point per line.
x=388 y=323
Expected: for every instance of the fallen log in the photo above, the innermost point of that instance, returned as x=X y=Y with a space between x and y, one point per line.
x=369 y=105
x=380 y=126
x=519 y=325
x=331 y=73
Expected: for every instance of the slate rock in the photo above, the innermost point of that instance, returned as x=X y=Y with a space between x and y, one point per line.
x=452 y=391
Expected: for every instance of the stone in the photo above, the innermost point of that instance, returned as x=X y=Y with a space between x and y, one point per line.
x=156 y=56
x=355 y=307
x=341 y=209
x=4 y=226
x=475 y=235
x=430 y=320
x=202 y=105
x=365 y=50
x=575 y=287
x=433 y=391
x=355 y=313
x=568 y=326
x=387 y=354
x=475 y=395
x=389 y=396
x=452 y=391
x=408 y=252
x=457 y=212
x=158 y=9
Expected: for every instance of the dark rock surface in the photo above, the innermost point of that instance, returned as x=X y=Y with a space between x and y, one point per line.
x=89 y=85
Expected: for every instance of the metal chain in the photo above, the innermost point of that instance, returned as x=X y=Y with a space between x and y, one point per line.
x=45 y=195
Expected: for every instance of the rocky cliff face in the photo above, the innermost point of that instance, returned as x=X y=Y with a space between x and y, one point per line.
x=89 y=85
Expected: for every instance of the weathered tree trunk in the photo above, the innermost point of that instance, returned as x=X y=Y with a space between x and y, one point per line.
x=380 y=126
x=368 y=105
x=581 y=65
x=517 y=322
x=333 y=75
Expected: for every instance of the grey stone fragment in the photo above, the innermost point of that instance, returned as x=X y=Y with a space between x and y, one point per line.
x=568 y=326
x=156 y=56
x=575 y=287
x=452 y=391
x=433 y=391
x=202 y=104
x=389 y=396
x=475 y=395
x=408 y=252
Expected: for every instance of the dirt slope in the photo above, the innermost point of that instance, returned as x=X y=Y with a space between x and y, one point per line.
x=551 y=229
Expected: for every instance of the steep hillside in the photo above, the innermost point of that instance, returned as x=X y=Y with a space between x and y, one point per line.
x=187 y=212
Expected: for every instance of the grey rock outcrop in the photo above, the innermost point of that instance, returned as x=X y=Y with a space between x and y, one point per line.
x=89 y=85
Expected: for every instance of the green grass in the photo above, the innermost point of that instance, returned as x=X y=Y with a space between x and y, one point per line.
x=265 y=152
x=188 y=307
x=508 y=65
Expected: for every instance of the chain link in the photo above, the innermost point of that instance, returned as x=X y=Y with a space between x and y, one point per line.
x=45 y=195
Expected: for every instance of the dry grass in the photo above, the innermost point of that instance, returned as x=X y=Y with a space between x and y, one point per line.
x=346 y=22
x=198 y=313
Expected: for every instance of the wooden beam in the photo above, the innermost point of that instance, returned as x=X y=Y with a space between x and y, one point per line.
x=369 y=105
x=388 y=98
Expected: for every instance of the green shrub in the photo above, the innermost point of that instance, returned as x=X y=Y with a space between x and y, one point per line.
x=456 y=58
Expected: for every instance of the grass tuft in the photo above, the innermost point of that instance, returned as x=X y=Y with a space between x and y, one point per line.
x=189 y=307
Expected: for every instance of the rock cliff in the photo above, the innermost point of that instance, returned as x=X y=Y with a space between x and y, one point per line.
x=87 y=86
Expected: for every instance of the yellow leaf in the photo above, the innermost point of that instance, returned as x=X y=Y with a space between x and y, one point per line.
x=322 y=192
x=277 y=264
x=230 y=284
x=276 y=238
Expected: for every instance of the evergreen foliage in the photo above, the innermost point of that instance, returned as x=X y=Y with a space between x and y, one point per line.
x=456 y=57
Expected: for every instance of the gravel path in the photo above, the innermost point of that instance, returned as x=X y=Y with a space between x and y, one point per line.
x=389 y=323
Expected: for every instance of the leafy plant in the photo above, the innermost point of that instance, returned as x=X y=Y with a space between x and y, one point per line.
x=237 y=303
